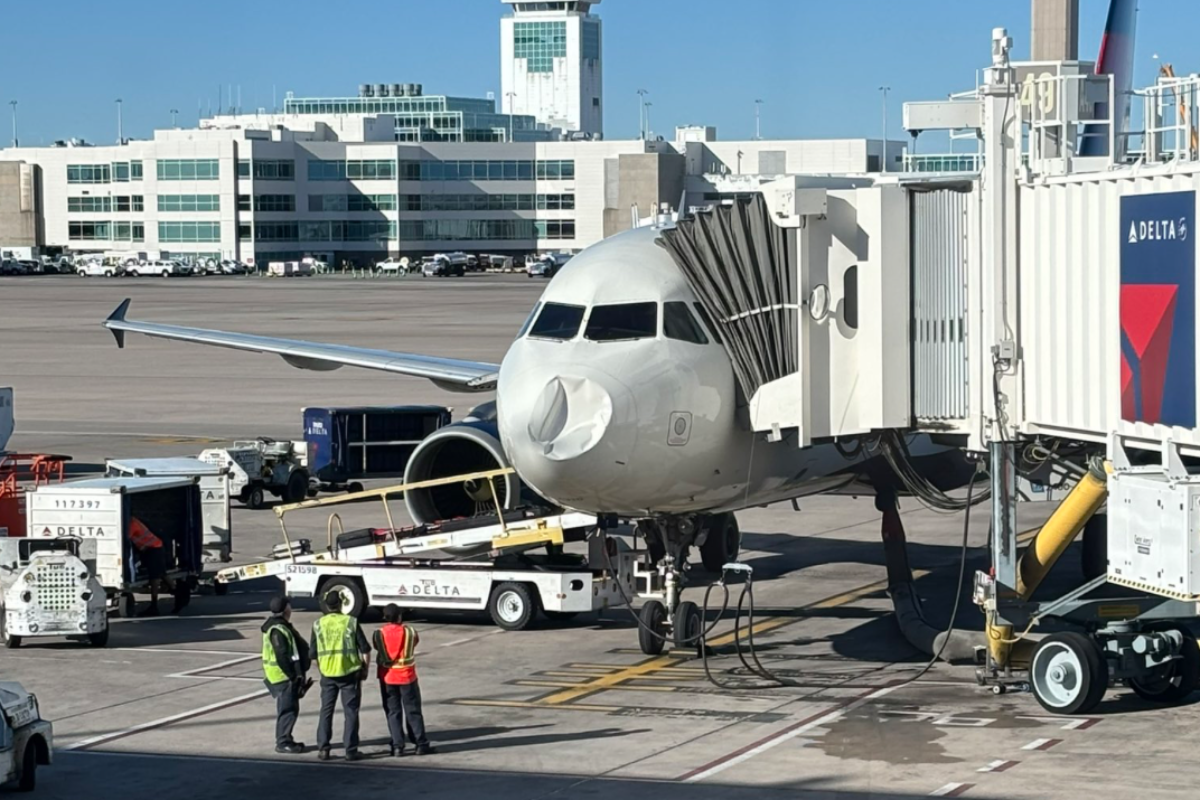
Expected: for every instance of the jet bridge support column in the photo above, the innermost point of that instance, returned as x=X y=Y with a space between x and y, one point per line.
x=948 y=645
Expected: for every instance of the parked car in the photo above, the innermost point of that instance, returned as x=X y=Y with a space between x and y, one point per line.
x=11 y=267
x=393 y=266
x=440 y=266
x=26 y=740
x=231 y=267
x=31 y=267
x=165 y=267
x=99 y=269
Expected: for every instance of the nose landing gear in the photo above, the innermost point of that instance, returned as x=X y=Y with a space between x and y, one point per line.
x=669 y=540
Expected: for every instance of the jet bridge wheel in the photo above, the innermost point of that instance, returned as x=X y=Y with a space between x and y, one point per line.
x=1175 y=681
x=652 y=632
x=1068 y=674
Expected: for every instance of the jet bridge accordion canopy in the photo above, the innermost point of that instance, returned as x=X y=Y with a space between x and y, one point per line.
x=742 y=267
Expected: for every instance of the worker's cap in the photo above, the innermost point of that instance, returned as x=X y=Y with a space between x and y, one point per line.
x=392 y=613
x=333 y=600
x=278 y=604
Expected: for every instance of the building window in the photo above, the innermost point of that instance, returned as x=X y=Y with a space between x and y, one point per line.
x=555 y=228
x=189 y=169
x=89 y=173
x=281 y=170
x=120 y=171
x=243 y=202
x=243 y=168
x=88 y=231
x=189 y=202
x=122 y=231
x=555 y=170
x=449 y=230
x=245 y=233
x=591 y=40
x=90 y=205
x=275 y=202
x=276 y=232
x=351 y=170
x=186 y=232
x=485 y=170
x=539 y=43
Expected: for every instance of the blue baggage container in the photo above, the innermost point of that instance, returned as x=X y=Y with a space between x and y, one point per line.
x=354 y=443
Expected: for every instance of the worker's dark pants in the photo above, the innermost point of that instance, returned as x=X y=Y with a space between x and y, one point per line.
x=350 y=689
x=287 y=709
x=407 y=699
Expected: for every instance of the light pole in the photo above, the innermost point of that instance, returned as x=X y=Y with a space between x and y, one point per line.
x=510 y=96
x=13 y=103
x=883 y=158
x=120 y=127
x=648 y=104
x=758 y=120
x=642 y=113
x=174 y=117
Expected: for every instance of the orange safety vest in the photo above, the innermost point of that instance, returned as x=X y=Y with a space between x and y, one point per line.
x=399 y=645
x=142 y=537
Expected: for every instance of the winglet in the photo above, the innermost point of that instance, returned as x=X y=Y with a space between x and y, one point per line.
x=118 y=316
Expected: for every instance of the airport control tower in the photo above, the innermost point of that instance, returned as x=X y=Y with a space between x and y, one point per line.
x=551 y=65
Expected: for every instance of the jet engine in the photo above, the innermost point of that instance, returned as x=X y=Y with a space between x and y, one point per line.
x=472 y=445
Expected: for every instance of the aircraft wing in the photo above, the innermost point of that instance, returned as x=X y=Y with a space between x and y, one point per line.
x=449 y=373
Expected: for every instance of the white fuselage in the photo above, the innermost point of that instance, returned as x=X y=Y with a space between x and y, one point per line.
x=637 y=422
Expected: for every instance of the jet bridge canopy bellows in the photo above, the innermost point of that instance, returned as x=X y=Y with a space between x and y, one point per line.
x=742 y=268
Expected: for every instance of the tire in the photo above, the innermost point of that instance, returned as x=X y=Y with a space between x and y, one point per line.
x=11 y=642
x=108 y=274
x=98 y=639
x=653 y=616
x=688 y=625
x=28 y=780
x=1094 y=551
x=349 y=589
x=166 y=273
x=723 y=543
x=255 y=498
x=512 y=606
x=297 y=487
x=126 y=605
x=1176 y=682
x=1068 y=674
x=354 y=487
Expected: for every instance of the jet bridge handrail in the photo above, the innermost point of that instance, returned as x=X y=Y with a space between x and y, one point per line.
x=383 y=493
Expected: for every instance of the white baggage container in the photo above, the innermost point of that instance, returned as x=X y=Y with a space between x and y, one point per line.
x=214 y=495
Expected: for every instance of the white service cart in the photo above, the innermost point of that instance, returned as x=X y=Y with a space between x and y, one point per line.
x=49 y=588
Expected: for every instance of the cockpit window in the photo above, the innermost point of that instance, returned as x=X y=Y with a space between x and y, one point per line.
x=558 y=321
x=708 y=323
x=529 y=320
x=678 y=323
x=622 y=322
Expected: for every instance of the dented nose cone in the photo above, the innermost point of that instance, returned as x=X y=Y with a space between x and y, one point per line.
x=569 y=417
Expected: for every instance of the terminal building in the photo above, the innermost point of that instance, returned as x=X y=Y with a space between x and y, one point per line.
x=269 y=191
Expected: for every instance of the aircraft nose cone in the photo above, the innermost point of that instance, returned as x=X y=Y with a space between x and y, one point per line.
x=569 y=417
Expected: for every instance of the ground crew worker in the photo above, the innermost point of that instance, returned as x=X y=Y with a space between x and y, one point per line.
x=396 y=644
x=153 y=556
x=343 y=655
x=286 y=659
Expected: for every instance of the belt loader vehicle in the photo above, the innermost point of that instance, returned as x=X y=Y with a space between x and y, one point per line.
x=49 y=588
x=483 y=563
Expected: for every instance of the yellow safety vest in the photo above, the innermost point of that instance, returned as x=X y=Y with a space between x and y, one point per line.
x=271 y=669
x=337 y=645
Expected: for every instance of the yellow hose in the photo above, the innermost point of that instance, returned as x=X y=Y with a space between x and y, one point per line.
x=1061 y=529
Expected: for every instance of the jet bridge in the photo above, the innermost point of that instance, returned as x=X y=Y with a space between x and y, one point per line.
x=1037 y=304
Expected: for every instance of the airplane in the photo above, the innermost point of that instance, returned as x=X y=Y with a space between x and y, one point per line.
x=589 y=398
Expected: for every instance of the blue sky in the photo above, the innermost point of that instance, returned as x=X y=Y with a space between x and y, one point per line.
x=817 y=66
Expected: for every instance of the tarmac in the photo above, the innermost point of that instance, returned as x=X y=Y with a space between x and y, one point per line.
x=175 y=706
